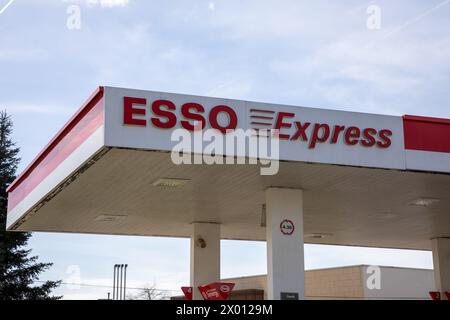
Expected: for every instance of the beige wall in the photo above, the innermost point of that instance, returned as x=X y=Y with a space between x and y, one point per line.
x=336 y=283
x=319 y=284
x=350 y=283
x=401 y=283
x=251 y=282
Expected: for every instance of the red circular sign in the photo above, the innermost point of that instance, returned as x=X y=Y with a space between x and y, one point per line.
x=287 y=227
x=225 y=288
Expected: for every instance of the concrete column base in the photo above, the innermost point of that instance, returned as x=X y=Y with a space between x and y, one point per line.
x=441 y=263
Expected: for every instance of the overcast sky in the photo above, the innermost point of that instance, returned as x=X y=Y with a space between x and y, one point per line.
x=317 y=53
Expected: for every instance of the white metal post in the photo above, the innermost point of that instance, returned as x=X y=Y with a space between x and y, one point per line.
x=441 y=263
x=205 y=255
x=285 y=252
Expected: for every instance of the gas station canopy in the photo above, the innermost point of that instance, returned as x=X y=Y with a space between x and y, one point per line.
x=367 y=180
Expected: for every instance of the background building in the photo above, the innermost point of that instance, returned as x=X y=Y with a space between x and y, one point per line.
x=349 y=283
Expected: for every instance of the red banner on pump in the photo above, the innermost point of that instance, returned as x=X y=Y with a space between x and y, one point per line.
x=216 y=290
x=187 y=292
x=435 y=295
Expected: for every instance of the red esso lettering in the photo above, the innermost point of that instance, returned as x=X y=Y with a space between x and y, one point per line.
x=129 y=111
x=192 y=111
x=164 y=116
x=214 y=118
x=162 y=108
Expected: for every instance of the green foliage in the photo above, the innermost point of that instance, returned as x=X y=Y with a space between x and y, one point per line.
x=18 y=270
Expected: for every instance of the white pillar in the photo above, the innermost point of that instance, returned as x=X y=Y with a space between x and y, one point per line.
x=205 y=262
x=441 y=263
x=285 y=252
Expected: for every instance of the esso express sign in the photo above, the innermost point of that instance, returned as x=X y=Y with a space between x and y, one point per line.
x=165 y=114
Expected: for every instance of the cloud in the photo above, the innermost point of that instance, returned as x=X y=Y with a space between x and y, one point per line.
x=23 y=54
x=13 y=108
x=230 y=89
x=327 y=256
x=108 y=3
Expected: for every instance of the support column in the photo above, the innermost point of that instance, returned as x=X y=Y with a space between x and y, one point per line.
x=205 y=255
x=441 y=264
x=285 y=252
